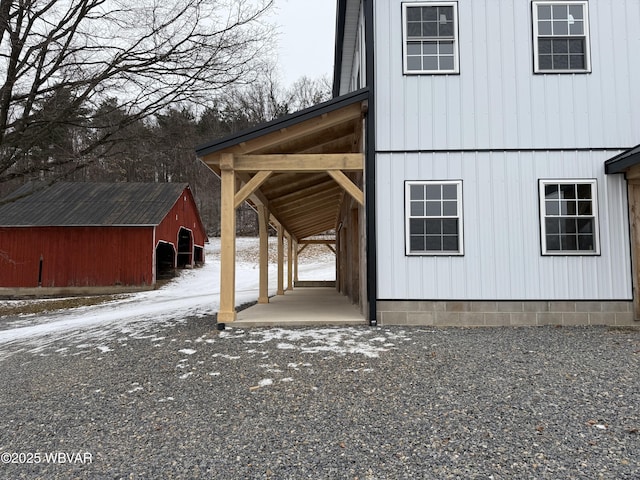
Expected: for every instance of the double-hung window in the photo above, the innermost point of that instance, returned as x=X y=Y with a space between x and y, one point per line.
x=433 y=217
x=569 y=223
x=561 y=37
x=430 y=31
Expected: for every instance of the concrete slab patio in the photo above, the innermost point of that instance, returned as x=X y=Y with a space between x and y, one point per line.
x=305 y=306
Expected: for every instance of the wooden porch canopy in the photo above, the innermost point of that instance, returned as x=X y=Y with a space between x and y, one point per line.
x=295 y=171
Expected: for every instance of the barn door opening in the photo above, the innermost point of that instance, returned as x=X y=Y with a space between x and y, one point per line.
x=185 y=248
x=165 y=261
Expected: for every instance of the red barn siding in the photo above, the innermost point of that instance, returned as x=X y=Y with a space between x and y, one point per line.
x=184 y=213
x=76 y=256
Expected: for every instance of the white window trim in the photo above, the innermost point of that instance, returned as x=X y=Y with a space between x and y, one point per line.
x=587 y=35
x=543 y=216
x=408 y=217
x=456 y=50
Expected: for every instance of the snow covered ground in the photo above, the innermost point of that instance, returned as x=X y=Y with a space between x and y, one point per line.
x=194 y=293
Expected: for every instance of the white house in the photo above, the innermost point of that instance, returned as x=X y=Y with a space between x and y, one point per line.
x=498 y=164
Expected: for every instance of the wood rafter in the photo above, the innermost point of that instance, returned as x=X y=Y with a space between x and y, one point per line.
x=316 y=241
x=311 y=127
x=318 y=189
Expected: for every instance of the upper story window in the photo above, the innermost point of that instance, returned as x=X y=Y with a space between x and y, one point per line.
x=561 y=37
x=430 y=31
x=569 y=217
x=433 y=217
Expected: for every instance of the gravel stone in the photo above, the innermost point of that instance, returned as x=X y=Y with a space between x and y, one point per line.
x=191 y=402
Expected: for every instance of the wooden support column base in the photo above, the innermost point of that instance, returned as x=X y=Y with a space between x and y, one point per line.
x=227 y=317
x=263 y=300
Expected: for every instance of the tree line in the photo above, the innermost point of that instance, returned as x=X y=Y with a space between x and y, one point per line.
x=104 y=90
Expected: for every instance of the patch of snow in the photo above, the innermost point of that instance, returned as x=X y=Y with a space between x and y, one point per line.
x=187 y=351
x=104 y=349
x=194 y=293
x=265 y=382
x=340 y=341
x=186 y=375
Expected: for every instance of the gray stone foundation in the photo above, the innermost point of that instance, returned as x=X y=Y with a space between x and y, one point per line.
x=505 y=313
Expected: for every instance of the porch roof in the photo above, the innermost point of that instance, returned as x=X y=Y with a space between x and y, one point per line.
x=299 y=166
x=624 y=161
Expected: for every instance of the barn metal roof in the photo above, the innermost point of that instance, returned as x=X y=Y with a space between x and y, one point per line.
x=89 y=204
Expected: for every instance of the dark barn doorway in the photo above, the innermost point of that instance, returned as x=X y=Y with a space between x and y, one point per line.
x=165 y=261
x=185 y=248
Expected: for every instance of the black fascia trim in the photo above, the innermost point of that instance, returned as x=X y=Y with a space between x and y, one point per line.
x=622 y=162
x=370 y=167
x=341 y=10
x=284 y=122
x=509 y=150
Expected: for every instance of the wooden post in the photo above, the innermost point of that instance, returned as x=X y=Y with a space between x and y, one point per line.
x=280 y=260
x=227 y=311
x=634 y=221
x=295 y=262
x=289 y=262
x=263 y=220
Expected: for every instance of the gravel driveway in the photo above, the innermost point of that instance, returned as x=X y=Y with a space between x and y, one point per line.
x=344 y=403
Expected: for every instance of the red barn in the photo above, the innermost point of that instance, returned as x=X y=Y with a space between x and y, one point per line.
x=92 y=237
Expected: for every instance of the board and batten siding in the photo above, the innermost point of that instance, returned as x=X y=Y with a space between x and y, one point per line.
x=502 y=254
x=76 y=256
x=497 y=102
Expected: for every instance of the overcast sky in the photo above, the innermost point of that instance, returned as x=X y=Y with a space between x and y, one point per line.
x=306 y=40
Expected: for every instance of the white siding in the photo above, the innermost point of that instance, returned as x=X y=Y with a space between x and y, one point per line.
x=353 y=50
x=502 y=259
x=497 y=102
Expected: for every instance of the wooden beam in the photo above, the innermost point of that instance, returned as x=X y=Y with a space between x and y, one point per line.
x=634 y=221
x=335 y=144
x=295 y=262
x=280 y=290
x=285 y=183
x=289 y=263
x=321 y=199
x=349 y=187
x=331 y=248
x=251 y=186
x=319 y=189
x=303 y=247
x=263 y=221
x=316 y=229
x=227 y=311
x=317 y=242
x=300 y=162
x=256 y=197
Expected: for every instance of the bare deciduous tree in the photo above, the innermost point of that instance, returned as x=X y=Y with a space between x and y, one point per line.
x=93 y=58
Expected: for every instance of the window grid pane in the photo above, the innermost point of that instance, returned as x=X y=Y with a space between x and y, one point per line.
x=561 y=37
x=430 y=39
x=569 y=219
x=434 y=219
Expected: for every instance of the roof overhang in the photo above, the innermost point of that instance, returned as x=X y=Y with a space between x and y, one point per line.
x=347 y=16
x=301 y=166
x=623 y=162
